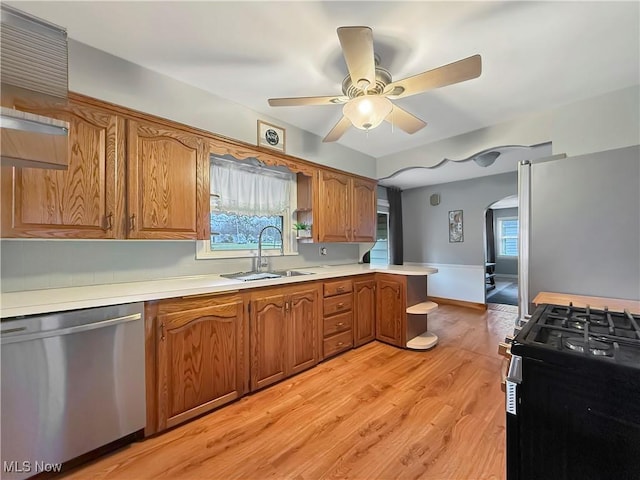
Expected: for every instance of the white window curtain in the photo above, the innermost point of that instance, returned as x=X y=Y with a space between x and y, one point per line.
x=245 y=189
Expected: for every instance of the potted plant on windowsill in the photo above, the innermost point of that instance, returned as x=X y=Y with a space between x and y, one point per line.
x=303 y=230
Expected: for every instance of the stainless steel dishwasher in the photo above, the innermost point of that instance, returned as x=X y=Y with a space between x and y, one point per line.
x=71 y=382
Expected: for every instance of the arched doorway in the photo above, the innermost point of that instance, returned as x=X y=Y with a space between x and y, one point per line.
x=501 y=252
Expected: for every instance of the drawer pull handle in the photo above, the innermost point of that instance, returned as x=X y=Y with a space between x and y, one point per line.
x=340 y=289
x=340 y=305
x=339 y=324
x=339 y=344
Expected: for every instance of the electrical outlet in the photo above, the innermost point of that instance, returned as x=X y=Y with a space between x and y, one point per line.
x=323 y=250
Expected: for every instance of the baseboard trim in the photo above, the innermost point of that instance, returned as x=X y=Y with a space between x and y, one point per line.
x=459 y=303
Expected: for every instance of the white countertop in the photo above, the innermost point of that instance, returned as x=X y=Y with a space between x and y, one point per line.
x=32 y=302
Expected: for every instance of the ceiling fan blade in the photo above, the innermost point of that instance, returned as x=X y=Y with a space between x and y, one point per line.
x=338 y=130
x=404 y=120
x=466 y=69
x=296 y=101
x=357 y=48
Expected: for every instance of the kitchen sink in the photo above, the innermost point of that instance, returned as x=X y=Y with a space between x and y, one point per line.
x=252 y=276
x=291 y=273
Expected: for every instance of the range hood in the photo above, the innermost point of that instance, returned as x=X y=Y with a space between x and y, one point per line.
x=33 y=71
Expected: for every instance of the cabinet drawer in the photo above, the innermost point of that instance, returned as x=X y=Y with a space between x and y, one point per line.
x=339 y=304
x=338 y=343
x=338 y=323
x=337 y=288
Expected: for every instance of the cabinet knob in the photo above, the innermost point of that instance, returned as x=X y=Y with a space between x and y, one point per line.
x=340 y=289
x=339 y=324
x=340 y=305
x=339 y=344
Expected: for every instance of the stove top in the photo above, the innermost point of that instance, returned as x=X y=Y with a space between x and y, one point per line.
x=596 y=335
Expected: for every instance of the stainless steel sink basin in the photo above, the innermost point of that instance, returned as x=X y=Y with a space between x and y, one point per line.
x=291 y=273
x=251 y=276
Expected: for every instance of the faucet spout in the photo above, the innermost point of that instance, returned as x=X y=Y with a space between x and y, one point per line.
x=259 y=268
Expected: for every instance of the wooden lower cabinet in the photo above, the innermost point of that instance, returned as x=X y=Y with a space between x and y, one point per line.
x=364 y=310
x=200 y=351
x=284 y=325
x=390 y=308
x=303 y=323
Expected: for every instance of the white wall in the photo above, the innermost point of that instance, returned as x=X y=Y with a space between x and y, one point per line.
x=585 y=225
x=36 y=264
x=592 y=125
x=426 y=232
x=598 y=124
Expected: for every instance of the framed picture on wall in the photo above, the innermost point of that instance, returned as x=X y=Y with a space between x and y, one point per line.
x=456 y=233
x=271 y=136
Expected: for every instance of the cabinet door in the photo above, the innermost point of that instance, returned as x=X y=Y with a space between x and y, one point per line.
x=363 y=210
x=334 y=213
x=389 y=312
x=83 y=201
x=200 y=360
x=303 y=327
x=364 y=309
x=165 y=182
x=268 y=341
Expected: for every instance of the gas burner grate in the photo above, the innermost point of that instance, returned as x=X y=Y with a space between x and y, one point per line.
x=586 y=332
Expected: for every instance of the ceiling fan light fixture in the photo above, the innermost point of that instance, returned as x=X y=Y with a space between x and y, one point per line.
x=367 y=111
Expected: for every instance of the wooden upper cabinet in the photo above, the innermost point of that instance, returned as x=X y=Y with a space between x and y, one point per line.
x=200 y=345
x=364 y=310
x=334 y=212
x=83 y=201
x=363 y=210
x=390 y=309
x=165 y=183
x=346 y=208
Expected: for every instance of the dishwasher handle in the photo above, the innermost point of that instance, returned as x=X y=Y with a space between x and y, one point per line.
x=25 y=337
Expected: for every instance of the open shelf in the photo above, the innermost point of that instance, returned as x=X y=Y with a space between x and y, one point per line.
x=424 y=341
x=422 y=308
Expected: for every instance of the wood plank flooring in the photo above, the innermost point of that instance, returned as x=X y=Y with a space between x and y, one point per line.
x=377 y=412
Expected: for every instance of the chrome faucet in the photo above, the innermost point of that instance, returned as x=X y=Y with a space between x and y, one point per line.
x=260 y=265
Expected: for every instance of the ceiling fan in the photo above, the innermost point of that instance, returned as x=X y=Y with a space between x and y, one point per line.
x=369 y=89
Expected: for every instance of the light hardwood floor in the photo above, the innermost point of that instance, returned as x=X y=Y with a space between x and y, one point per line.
x=377 y=412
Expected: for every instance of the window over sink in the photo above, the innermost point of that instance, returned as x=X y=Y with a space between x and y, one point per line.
x=245 y=197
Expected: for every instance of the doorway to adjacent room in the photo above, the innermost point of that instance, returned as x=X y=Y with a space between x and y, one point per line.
x=501 y=252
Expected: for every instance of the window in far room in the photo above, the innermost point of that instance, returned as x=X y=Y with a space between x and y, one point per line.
x=245 y=197
x=508 y=237
x=380 y=252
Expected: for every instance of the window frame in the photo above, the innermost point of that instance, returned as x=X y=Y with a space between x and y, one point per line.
x=290 y=244
x=500 y=237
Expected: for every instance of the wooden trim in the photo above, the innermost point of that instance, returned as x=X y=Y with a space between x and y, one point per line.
x=614 y=304
x=459 y=303
x=200 y=409
x=219 y=143
x=151 y=362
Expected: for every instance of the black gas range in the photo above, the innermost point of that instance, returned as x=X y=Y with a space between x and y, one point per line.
x=573 y=395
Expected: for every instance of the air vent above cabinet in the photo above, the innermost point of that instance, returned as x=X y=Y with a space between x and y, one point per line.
x=34 y=54
x=34 y=72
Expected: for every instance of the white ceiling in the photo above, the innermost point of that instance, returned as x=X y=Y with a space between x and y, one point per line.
x=536 y=55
